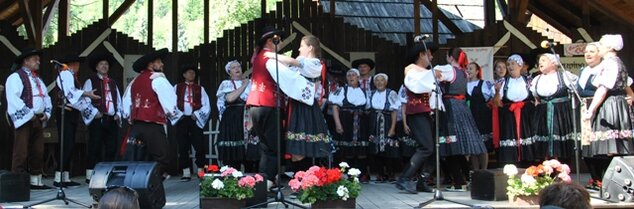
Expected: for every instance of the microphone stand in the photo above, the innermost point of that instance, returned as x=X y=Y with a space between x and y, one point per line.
x=61 y=195
x=437 y=193
x=279 y=196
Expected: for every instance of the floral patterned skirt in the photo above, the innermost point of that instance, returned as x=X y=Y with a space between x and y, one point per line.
x=612 y=128
x=307 y=131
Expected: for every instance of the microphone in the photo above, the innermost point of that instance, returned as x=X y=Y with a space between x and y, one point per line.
x=57 y=63
x=420 y=38
x=276 y=39
x=547 y=44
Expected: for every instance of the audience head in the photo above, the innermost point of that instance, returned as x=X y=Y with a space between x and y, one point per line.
x=119 y=198
x=565 y=195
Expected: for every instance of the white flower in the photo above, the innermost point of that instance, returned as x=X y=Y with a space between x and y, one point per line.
x=528 y=179
x=354 y=172
x=223 y=168
x=217 y=184
x=342 y=191
x=344 y=165
x=510 y=170
x=237 y=174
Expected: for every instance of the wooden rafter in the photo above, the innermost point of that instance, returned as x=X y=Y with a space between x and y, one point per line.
x=443 y=18
x=489 y=12
x=612 y=11
x=550 y=20
x=562 y=12
x=48 y=15
x=62 y=19
x=119 y=12
x=520 y=13
x=150 y=22
x=416 y=17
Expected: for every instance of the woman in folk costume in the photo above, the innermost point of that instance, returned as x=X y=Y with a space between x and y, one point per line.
x=552 y=121
x=407 y=144
x=383 y=104
x=307 y=132
x=515 y=102
x=234 y=137
x=459 y=135
x=609 y=112
x=351 y=124
x=501 y=70
x=479 y=93
x=596 y=164
x=417 y=120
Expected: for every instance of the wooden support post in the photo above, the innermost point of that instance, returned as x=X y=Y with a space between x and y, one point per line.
x=150 y=23
x=62 y=19
x=27 y=16
x=174 y=26
x=434 y=12
x=333 y=8
x=433 y=4
x=416 y=17
x=206 y=22
x=48 y=15
x=120 y=11
x=489 y=13
x=106 y=9
x=262 y=8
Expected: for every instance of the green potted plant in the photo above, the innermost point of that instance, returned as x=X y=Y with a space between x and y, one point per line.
x=327 y=188
x=225 y=187
x=523 y=189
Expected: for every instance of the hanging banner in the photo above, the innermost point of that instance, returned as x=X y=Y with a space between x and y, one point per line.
x=484 y=57
x=573 y=64
x=576 y=49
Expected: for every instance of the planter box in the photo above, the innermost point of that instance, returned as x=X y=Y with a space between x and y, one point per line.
x=335 y=204
x=221 y=203
x=524 y=200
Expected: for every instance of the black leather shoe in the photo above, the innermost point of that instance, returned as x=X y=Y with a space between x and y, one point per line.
x=407 y=185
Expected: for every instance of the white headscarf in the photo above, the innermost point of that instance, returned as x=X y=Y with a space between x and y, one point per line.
x=228 y=65
x=614 y=41
x=381 y=75
x=517 y=59
x=553 y=58
x=353 y=70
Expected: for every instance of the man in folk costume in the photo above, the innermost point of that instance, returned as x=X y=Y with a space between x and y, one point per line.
x=193 y=101
x=149 y=102
x=75 y=103
x=262 y=102
x=104 y=128
x=365 y=66
x=29 y=107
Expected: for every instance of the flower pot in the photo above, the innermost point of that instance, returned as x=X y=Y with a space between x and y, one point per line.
x=221 y=203
x=335 y=204
x=524 y=200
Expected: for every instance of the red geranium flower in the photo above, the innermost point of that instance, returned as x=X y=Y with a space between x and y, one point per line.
x=333 y=175
x=201 y=174
x=213 y=168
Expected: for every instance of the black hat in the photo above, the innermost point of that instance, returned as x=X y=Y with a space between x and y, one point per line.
x=27 y=52
x=185 y=68
x=98 y=57
x=270 y=31
x=412 y=55
x=70 y=58
x=140 y=64
x=367 y=61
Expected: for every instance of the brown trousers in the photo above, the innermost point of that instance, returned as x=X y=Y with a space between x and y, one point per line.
x=28 y=148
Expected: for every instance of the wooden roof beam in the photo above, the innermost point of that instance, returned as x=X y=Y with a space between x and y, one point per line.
x=29 y=24
x=48 y=15
x=520 y=13
x=562 y=12
x=119 y=12
x=554 y=22
x=612 y=12
x=442 y=17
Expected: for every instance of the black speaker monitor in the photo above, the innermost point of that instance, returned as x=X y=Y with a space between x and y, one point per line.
x=617 y=180
x=140 y=176
x=489 y=185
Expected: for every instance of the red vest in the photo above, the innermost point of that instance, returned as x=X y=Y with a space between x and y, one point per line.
x=97 y=85
x=145 y=103
x=262 y=84
x=417 y=103
x=196 y=96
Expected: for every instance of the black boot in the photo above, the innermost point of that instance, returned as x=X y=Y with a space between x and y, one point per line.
x=407 y=185
x=421 y=184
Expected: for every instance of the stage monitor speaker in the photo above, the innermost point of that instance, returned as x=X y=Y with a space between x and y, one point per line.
x=14 y=187
x=489 y=184
x=140 y=176
x=617 y=180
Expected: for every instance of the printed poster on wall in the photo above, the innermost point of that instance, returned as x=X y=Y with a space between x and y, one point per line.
x=484 y=57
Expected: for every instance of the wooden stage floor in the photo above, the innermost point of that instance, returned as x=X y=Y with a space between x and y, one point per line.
x=184 y=195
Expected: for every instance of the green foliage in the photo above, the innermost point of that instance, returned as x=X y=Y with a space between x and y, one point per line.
x=224 y=15
x=231 y=189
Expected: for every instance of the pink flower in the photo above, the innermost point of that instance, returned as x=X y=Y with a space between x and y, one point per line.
x=547 y=169
x=309 y=181
x=300 y=174
x=565 y=169
x=564 y=177
x=258 y=178
x=295 y=184
x=313 y=170
x=247 y=181
x=228 y=172
x=552 y=163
